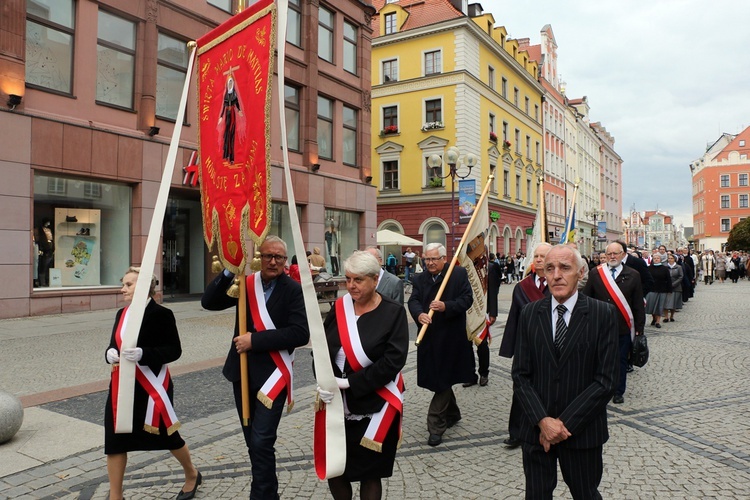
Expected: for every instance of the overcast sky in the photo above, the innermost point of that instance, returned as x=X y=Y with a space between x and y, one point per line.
x=665 y=77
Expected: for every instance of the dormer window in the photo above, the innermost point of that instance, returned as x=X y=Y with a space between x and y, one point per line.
x=390 y=23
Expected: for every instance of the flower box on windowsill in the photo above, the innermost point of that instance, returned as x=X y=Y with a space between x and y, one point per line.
x=506 y=144
x=493 y=137
x=432 y=126
x=389 y=130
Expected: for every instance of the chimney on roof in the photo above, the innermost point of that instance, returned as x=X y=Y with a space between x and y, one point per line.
x=460 y=5
x=523 y=43
x=475 y=9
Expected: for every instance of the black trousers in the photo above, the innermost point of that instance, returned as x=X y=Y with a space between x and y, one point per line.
x=581 y=470
x=442 y=408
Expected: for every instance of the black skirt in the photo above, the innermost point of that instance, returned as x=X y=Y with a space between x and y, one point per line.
x=363 y=463
x=139 y=439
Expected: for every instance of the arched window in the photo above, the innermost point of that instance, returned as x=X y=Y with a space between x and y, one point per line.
x=507 y=237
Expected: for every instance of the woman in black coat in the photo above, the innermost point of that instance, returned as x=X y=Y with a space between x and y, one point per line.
x=158 y=344
x=656 y=299
x=383 y=335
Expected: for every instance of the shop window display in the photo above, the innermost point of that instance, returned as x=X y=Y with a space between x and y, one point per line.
x=83 y=232
x=341 y=237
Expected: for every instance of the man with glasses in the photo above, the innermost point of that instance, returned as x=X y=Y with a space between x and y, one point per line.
x=445 y=355
x=276 y=324
x=620 y=285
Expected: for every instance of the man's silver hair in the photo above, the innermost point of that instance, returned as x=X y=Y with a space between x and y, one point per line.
x=436 y=246
x=377 y=250
x=274 y=239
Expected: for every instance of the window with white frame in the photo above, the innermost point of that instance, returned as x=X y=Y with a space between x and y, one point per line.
x=528 y=191
x=504 y=87
x=725 y=201
x=743 y=180
x=492 y=123
x=518 y=141
x=526 y=105
x=491 y=77
x=432 y=174
x=505 y=131
x=724 y=180
x=432 y=62
x=294 y=23
x=506 y=183
x=325 y=34
x=518 y=187
x=433 y=111
x=743 y=201
x=325 y=128
x=291 y=112
x=115 y=49
x=390 y=174
x=528 y=146
x=49 y=44
x=350 y=47
x=516 y=94
x=725 y=225
x=171 y=69
x=536 y=112
x=349 y=138
x=390 y=117
x=390 y=23
x=390 y=70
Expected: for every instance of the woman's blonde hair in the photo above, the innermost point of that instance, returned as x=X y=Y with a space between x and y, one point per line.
x=154 y=281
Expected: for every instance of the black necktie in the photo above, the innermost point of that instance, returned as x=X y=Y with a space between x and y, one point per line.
x=560 y=327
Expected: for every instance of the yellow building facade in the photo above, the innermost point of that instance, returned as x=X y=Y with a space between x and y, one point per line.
x=442 y=79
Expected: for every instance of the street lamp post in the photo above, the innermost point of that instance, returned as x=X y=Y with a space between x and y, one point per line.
x=595 y=215
x=454 y=160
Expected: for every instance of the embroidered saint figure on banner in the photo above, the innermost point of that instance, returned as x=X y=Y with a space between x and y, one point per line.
x=230 y=118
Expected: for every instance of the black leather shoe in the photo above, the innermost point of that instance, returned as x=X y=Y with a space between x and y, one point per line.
x=618 y=400
x=450 y=422
x=511 y=443
x=657 y=325
x=434 y=440
x=187 y=495
x=629 y=369
x=483 y=381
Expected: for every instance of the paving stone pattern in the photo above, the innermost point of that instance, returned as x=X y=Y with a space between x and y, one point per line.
x=682 y=433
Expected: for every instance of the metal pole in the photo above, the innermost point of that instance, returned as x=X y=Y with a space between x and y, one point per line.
x=453 y=211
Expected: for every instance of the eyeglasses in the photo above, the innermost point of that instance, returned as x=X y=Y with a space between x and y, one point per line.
x=268 y=256
x=432 y=259
x=613 y=254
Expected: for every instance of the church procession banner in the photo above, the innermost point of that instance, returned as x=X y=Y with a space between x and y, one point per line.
x=234 y=73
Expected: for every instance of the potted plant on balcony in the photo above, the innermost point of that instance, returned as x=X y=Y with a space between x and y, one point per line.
x=435 y=182
x=493 y=137
x=390 y=129
x=506 y=144
x=432 y=126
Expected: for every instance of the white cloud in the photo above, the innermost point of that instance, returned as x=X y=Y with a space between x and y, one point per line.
x=665 y=78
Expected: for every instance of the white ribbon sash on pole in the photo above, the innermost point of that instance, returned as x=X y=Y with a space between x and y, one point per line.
x=330 y=461
x=124 y=418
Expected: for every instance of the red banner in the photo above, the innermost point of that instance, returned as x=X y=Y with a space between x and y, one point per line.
x=234 y=104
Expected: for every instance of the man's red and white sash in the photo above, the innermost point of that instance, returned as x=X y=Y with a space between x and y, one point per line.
x=392 y=393
x=485 y=333
x=282 y=376
x=617 y=297
x=159 y=408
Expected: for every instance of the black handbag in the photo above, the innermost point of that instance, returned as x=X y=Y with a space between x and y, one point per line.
x=639 y=353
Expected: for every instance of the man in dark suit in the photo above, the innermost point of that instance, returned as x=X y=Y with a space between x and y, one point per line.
x=445 y=356
x=564 y=373
x=631 y=316
x=267 y=346
x=389 y=286
x=632 y=259
x=532 y=288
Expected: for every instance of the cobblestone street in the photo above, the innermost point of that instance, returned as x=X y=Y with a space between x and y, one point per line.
x=682 y=432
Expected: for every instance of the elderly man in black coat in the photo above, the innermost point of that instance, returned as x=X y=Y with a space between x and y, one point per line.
x=445 y=355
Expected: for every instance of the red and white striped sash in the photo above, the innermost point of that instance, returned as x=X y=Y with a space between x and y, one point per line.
x=617 y=297
x=283 y=375
x=159 y=408
x=392 y=393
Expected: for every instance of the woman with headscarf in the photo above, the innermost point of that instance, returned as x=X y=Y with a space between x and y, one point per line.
x=657 y=297
x=674 y=301
x=734 y=263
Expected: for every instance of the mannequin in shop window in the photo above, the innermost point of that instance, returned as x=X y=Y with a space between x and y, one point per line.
x=46 y=243
x=332 y=243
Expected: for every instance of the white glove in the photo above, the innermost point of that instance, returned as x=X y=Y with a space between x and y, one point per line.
x=343 y=383
x=113 y=356
x=325 y=396
x=135 y=354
